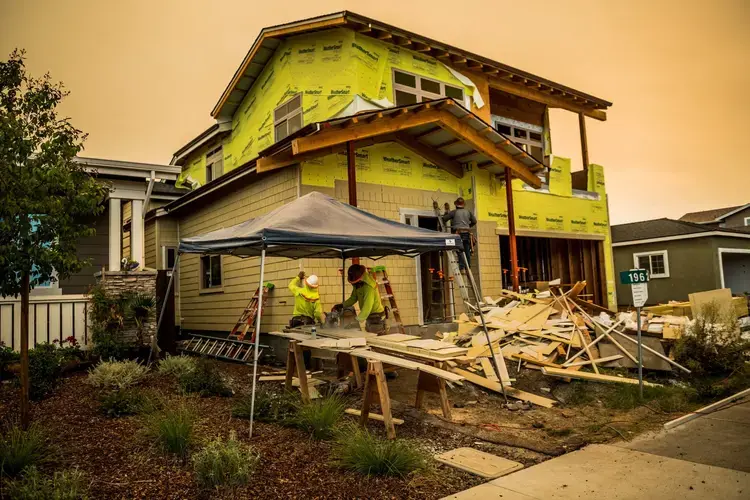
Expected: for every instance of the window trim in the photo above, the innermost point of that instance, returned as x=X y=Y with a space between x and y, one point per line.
x=211 y=289
x=418 y=91
x=164 y=250
x=520 y=141
x=214 y=158
x=663 y=253
x=285 y=118
x=747 y=221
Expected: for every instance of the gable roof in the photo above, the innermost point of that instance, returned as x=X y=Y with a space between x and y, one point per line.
x=714 y=215
x=664 y=229
x=502 y=76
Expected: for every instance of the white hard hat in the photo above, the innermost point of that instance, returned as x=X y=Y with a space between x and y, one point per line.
x=312 y=281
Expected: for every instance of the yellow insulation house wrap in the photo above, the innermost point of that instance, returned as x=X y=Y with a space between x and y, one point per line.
x=328 y=69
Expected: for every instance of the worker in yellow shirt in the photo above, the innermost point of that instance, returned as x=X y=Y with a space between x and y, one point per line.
x=367 y=295
x=307 y=308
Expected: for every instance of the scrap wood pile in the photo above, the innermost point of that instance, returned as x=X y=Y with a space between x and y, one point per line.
x=558 y=334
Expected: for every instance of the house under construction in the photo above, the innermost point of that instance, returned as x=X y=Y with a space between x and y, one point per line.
x=389 y=121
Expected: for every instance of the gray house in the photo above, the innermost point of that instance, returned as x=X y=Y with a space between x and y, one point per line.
x=701 y=251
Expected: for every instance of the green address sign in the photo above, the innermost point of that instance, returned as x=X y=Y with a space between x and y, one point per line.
x=634 y=276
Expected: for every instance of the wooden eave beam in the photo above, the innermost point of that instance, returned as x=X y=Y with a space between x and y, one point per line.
x=553 y=98
x=446 y=144
x=430 y=154
x=331 y=137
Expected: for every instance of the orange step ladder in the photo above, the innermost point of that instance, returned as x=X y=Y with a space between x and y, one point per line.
x=386 y=293
x=247 y=318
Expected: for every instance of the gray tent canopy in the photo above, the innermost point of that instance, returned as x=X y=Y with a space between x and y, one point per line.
x=317 y=225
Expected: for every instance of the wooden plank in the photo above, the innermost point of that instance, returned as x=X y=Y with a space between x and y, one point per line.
x=614 y=357
x=707 y=409
x=430 y=154
x=489 y=370
x=385 y=398
x=510 y=391
x=373 y=416
x=534 y=361
x=563 y=373
x=405 y=363
x=478 y=462
x=722 y=298
x=398 y=337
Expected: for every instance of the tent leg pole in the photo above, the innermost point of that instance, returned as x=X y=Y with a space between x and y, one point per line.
x=343 y=290
x=161 y=313
x=257 y=336
x=484 y=325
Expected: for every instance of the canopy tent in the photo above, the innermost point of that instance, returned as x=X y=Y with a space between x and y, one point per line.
x=317 y=225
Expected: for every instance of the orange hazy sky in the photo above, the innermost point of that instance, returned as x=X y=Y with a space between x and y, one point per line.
x=144 y=75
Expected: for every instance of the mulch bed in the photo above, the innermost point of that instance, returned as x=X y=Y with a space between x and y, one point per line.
x=121 y=463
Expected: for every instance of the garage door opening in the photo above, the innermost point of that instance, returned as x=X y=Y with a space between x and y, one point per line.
x=735 y=270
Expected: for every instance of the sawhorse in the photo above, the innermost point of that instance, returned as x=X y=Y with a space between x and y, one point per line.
x=295 y=364
x=376 y=388
x=435 y=385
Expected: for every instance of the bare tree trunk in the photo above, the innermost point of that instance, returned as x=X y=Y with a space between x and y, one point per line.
x=25 y=350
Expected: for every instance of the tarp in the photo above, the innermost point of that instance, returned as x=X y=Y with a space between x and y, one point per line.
x=317 y=225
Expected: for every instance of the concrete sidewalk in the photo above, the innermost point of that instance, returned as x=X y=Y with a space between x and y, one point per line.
x=706 y=458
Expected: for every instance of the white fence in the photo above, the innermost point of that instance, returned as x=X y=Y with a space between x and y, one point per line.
x=51 y=318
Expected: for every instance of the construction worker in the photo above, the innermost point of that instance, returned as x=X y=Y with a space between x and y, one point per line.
x=307 y=308
x=367 y=295
x=462 y=220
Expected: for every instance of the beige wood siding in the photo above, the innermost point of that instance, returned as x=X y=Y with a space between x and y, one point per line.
x=219 y=311
x=167 y=236
x=486 y=263
x=149 y=237
x=127 y=213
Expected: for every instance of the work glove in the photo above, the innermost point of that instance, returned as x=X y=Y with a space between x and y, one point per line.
x=337 y=308
x=301 y=275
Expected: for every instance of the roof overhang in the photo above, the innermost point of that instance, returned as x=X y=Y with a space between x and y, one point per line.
x=725 y=215
x=117 y=168
x=499 y=76
x=214 y=132
x=442 y=132
x=691 y=236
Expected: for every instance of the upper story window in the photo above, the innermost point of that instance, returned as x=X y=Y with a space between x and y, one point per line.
x=214 y=164
x=287 y=118
x=411 y=89
x=657 y=263
x=747 y=221
x=210 y=271
x=525 y=135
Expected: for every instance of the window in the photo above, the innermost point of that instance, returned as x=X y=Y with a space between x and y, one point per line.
x=168 y=258
x=211 y=271
x=411 y=89
x=747 y=221
x=287 y=118
x=525 y=135
x=214 y=164
x=657 y=263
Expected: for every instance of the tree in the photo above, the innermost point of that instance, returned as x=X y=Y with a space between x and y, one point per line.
x=47 y=201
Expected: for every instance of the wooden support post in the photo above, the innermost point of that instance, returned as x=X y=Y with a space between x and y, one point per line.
x=355 y=371
x=25 y=384
x=584 y=141
x=295 y=363
x=435 y=385
x=351 y=180
x=511 y=230
x=375 y=384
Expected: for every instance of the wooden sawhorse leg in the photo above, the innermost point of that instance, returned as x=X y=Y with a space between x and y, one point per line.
x=436 y=385
x=376 y=386
x=295 y=363
x=348 y=363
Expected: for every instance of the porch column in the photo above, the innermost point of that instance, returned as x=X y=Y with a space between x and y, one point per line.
x=136 y=232
x=115 y=233
x=511 y=230
x=584 y=141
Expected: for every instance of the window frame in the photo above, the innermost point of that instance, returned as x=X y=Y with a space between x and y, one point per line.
x=214 y=162
x=165 y=266
x=524 y=143
x=747 y=221
x=663 y=253
x=285 y=118
x=211 y=288
x=417 y=90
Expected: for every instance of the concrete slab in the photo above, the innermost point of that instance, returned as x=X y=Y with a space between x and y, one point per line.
x=612 y=472
x=721 y=439
x=477 y=462
x=488 y=491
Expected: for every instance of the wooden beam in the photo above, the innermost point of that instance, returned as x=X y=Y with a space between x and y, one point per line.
x=446 y=143
x=328 y=138
x=384 y=36
x=511 y=391
x=430 y=154
x=552 y=99
x=428 y=132
x=463 y=156
x=563 y=373
x=584 y=141
x=511 y=230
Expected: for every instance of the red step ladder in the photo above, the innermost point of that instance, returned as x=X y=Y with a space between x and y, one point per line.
x=247 y=318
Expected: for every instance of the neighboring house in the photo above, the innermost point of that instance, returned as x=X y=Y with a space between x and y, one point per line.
x=58 y=309
x=683 y=257
x=731 y=217
x=321 y=102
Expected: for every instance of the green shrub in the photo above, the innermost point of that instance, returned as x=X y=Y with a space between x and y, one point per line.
x=205 y=379
x=177 y=366
x=712 y=344
x=172 y=430
x=123 y=402
x=44 y=370
x=109 y=375
x=7 y=355
x=65 y=485
x=20 y=449
x=319 y=418
x=225 y=463
x=109 y=343
x=667 y=399
x=358 y=450
x=279 y=407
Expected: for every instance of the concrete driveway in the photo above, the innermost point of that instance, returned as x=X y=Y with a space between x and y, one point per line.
x=706 y=458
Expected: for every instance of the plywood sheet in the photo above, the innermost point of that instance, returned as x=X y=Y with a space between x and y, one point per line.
x=478 y=462
x=398 y=337
x=722 y=298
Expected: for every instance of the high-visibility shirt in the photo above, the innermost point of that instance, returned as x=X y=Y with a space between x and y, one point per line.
x=368 y=298
x=306 y=300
